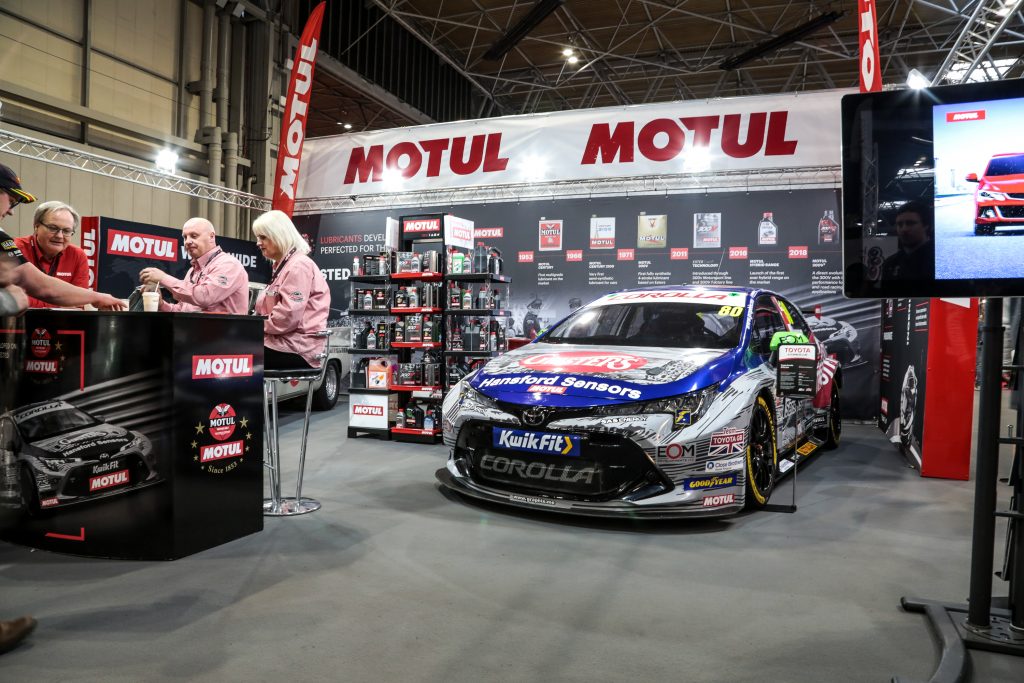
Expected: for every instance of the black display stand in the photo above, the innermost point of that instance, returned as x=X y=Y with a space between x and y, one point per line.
x=374 y=314
x=984 y=623
x=459 y=360
x=154 y=421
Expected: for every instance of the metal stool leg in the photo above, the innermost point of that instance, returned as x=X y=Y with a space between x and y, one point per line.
x=268 y=439
x=297 y=505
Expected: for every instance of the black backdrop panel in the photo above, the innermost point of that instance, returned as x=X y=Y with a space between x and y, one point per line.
x=717 y=238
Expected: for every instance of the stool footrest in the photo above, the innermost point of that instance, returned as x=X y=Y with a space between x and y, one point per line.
x=286 y=507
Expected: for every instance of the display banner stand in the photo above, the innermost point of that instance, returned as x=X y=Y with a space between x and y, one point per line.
x=993 y=625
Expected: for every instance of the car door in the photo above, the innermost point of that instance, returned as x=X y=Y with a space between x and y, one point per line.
x=804 y=407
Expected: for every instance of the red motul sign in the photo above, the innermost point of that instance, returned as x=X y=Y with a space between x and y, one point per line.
x=109 y=480
x=220 y=451
x=293 y=125
x=974 y=115
x=870 y=73
x=362 y=409
x=124 y=243
x=213 y=367
x=90 y=242
x=419 y=226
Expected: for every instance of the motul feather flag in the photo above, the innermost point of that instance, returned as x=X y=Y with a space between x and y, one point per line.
x=293 y=125
x=867 y=27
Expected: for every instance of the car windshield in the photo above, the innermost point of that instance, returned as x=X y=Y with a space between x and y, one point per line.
x=684 y=326
x=54 y=423
x=1006 y=165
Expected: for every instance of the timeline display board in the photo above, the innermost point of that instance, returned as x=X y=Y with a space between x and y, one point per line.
x=562 y=254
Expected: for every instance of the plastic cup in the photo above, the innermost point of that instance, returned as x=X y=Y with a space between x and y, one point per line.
x=151 y=301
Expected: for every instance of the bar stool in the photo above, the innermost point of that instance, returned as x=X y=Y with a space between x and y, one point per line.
x=276 y=505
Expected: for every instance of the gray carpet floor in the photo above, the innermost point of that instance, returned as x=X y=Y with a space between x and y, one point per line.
x=394 y=581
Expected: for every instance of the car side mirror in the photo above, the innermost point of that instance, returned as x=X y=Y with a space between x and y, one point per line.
x=972 y=178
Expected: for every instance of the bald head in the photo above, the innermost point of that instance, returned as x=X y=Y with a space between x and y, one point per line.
x=199 y=236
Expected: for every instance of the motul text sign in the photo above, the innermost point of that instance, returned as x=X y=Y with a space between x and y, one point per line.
x=211 y=367
x=123 y=243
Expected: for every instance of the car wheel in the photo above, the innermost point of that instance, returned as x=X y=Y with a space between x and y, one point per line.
x=762 y=455
x=29 y=492
x=326 y=396
x=834 y=429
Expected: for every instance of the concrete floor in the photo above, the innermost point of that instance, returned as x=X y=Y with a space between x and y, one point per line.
x=393 y=581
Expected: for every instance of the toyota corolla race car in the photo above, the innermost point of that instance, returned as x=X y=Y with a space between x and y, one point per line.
x=658 y=402
x=64 y=455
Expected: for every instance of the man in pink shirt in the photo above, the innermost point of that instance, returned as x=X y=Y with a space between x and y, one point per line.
x=216 y=282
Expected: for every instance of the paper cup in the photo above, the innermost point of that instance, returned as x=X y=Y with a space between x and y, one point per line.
x=151 y=301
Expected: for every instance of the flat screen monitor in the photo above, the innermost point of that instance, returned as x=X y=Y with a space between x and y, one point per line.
x=933 y=191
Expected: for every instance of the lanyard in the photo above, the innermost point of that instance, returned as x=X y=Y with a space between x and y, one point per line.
x=278 y=269
x=53 y=264
x=197 y=271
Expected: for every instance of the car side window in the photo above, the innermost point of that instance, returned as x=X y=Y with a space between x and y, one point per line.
x=767 y=321
x=798 y=319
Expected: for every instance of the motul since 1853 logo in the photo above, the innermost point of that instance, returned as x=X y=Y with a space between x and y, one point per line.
x=211 y=367
x=40 y=343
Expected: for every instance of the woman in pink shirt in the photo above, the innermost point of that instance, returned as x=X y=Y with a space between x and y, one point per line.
x=297 y=299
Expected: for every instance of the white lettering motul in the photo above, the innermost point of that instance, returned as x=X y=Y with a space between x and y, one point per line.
x=742 y=134
x=220 y=451
x=870 y=74
x=211 y=367
x=106 y=481
x=359 y=409
x=136 y=245
x=421 y=225
x=46 y=367
x=722 y=499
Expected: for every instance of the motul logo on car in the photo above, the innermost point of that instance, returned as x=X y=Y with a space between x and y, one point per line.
x=48 y=367
x=664 y=139
x=420 y=225
x=377 y=411
x=484 y=154
x=737 y=253
x=220 y=451
x=715 y=501
x=48 y=502
x=209 y=367
x=797 y=252
x=977 y=115
x=121 y=243
x=105 y=481
x=582 y=361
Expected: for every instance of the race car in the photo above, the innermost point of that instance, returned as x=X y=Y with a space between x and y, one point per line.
x=656 y=403
x=66 y=456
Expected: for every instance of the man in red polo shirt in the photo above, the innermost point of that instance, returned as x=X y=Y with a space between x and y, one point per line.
x=49 y=247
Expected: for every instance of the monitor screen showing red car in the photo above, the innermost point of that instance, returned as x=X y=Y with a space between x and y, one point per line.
x=933 y=191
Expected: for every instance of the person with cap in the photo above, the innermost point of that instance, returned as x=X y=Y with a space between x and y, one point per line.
x=49 y=247
x=216 y=282
x=28 y=277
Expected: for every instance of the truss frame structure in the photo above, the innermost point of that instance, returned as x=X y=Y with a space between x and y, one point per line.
x=60 y=155
x=980 y=33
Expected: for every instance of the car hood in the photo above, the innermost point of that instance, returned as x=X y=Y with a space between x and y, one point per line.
x=580 y=375
x=1004 y=183
x=89 y=443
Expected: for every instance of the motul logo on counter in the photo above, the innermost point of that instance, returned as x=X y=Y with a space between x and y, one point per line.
x=209 y=367
x=664 y=139
x=46 y=367
x=954 y=116
x=121 y=243
x=367 y=165
x=106 y=481
x=422 y=225
x=376 y=411
x=679 y=254
x=737 y=253
x=797 y=252
x=220 y=451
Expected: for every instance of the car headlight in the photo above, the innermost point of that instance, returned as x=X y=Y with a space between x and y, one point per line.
x=989 y=194
x=139 y=442
x=685 y=409
x=471 y=399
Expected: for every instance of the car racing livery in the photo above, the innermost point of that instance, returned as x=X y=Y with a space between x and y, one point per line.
x=658 y=402
x=65 y=456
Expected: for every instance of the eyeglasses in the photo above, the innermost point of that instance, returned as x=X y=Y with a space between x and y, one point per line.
x=15 y=199
x=53 y=229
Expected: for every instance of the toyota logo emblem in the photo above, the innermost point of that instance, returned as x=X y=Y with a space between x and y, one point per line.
x=535 y=416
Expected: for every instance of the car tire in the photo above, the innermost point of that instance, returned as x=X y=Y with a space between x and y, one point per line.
x=833 y=431
x=762 y=455
x=326 y=396
x=29 y=492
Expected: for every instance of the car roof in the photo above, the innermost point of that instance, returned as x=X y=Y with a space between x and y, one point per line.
x=696 y=288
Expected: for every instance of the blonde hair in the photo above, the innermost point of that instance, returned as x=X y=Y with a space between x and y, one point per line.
x=46 y=208
x=279 y=229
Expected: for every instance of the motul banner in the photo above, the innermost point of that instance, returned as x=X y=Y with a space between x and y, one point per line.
x=779 y=131
x=867 y=26
x=293 y=125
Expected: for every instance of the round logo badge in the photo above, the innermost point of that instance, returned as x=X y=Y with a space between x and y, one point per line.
x=40 y=343
x=583 y=361
x=222 y=422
